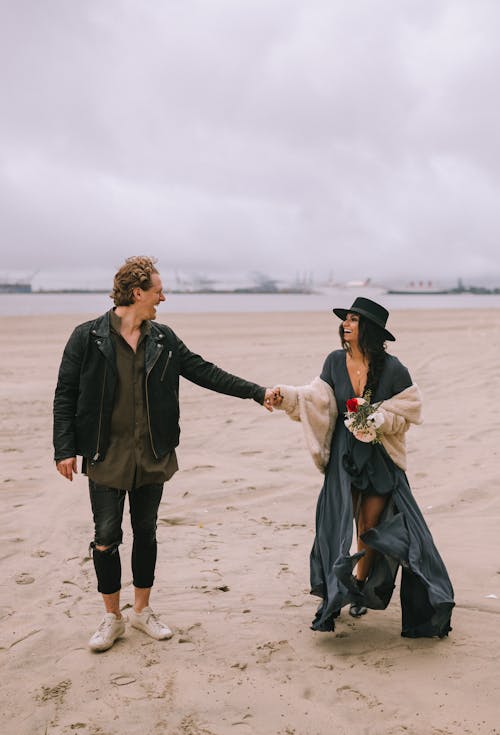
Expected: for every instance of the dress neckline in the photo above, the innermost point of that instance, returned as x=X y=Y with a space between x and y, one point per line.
x=355 y=395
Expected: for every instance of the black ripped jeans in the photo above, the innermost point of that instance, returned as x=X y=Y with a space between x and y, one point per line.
x=107 y=508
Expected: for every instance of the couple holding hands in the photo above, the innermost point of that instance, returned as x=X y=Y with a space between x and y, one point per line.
x=116 y=405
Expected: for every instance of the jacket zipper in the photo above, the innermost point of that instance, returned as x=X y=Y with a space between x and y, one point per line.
x=166 y=366
x=96 y=455
x=147 y=403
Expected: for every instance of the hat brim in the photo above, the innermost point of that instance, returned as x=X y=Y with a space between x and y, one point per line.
x=342 y=313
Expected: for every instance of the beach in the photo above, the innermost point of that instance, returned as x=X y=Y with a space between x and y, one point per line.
x=236 y=524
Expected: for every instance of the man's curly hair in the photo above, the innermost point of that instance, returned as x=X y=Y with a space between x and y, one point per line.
x=136 y=272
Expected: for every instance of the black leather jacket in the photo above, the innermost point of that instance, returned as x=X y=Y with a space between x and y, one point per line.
x=83 y=401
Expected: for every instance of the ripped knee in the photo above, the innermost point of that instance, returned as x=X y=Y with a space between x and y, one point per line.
x=101 y=549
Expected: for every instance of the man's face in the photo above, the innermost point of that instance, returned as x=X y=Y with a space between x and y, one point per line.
x=147 y=301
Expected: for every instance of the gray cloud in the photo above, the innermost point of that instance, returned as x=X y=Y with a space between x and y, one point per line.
x=358 y=138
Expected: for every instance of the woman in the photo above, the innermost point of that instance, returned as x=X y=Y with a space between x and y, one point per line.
x=366 y=481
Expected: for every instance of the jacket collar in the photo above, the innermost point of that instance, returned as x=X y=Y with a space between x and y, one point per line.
x=103 y=324
x=101 y=327
x=100 y=332
x=115 y=324
x=154 y=345
x=154 y=342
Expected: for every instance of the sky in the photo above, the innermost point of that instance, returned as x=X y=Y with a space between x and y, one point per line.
x=339 y=138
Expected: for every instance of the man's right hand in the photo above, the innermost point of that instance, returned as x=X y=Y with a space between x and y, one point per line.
x=66 y=468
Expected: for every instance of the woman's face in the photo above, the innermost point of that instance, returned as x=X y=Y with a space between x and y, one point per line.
x=351 y=328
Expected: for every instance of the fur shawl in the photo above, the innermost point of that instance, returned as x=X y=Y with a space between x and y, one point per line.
x=314 y=405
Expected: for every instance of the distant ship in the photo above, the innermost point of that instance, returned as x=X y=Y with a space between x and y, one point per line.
x=262 y=284
x=419 y=287
x=359 y=284
x=15 y=287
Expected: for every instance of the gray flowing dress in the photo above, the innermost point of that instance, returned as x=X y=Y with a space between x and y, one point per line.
x=402 y=537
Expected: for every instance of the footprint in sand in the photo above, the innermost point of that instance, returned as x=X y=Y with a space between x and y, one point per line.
x=263 y=521
x=161 y=688
x=361 y=700
x=190 y=726
x=239 y=666
x=200 y=467
x=57 y=692
x=122 y=680
x=24 y=578
x=243 y=725
x=267 y=650
x=175 y=521
x=191 y=634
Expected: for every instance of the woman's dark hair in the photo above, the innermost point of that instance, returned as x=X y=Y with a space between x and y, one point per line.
x=371 y=340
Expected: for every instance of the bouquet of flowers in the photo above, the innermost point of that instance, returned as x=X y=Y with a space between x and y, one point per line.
x=363 y=419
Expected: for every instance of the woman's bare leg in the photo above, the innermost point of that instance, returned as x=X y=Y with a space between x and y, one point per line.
x=370 y=510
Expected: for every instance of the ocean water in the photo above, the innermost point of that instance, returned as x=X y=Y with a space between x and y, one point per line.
x=96 y=303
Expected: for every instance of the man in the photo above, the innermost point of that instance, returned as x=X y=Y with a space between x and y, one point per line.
x=116 y=405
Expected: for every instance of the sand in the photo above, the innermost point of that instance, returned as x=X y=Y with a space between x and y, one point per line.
x=236 y=525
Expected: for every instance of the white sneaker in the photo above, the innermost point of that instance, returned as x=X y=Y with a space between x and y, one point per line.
x=110 y=628
x=148 y=622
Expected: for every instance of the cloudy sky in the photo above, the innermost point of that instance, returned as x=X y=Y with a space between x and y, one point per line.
x=349 y=137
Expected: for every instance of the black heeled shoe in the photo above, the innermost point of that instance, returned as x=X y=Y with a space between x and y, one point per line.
x=356 y=609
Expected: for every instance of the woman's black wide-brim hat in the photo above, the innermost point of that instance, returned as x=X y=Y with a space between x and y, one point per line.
x=370 y=310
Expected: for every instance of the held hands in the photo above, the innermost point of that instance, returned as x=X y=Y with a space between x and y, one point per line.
x=67 y=467
x=272 y=398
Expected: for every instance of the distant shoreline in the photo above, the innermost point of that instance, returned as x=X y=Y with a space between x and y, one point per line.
x=472 y=290
x=85 y=302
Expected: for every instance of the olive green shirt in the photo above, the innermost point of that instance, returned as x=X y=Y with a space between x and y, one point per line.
x=129 y=461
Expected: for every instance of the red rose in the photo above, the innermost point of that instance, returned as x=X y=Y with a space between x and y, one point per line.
x=352 y=405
